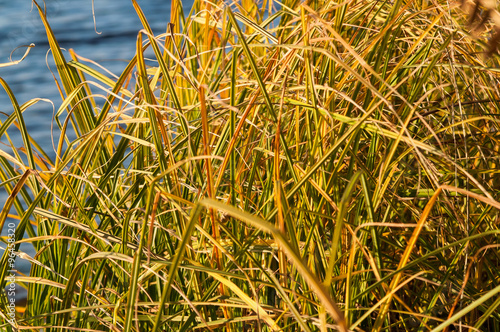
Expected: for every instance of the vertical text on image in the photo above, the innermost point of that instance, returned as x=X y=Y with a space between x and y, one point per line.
x=11 y=278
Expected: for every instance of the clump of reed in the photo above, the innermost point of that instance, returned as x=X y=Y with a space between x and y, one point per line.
x=267 y=166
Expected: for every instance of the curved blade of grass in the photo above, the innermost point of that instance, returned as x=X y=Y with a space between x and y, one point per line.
x=69 y=78
x=99 y=76
x=325 y=298
x=20 y=119
x=15 y=62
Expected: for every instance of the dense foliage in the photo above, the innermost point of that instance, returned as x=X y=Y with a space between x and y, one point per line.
x=275 y=166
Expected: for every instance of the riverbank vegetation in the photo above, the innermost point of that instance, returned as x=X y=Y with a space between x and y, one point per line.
x=267 y=166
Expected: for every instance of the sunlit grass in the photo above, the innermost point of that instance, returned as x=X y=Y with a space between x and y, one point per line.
x=275 y=166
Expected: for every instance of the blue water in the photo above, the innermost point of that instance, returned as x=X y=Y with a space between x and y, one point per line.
x=72 y=22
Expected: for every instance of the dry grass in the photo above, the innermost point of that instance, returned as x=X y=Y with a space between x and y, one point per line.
x=276 y=166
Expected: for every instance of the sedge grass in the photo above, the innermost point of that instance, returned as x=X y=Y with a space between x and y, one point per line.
x=276 y=166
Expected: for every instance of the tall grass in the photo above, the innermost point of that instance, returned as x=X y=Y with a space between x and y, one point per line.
x=275 y=166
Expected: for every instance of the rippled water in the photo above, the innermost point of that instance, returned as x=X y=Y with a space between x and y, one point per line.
x=73 y=25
